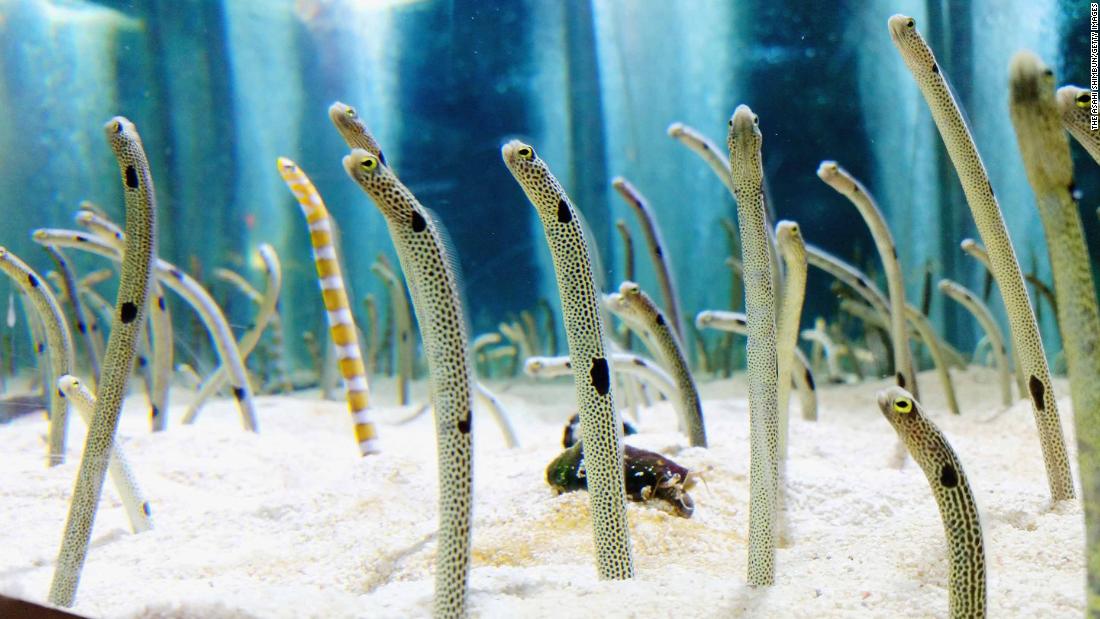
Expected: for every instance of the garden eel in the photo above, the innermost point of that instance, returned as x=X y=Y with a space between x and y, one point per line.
x=803 y=379
x=621 y=362
x=516 y=335
x=133 y=501
x=58 y=342
x=274 y=275
x=528 y=320
x=793 y=251
x=370 y=306
x=95 y=278
x=656 y=245
x=549 y=324
x=337 y=307
x=847 y=185
x=160 y=320
x=1075 y=105
x=1046 y=155
x=480 y=343
x=133 y=293
x=628 y=267
x=354 y=131
x=990 y=222
x=276 y=322
x=932 y=340
x=962 y=527
x=192 y=292
x=72 y=291
x=746 y=166
x=500 y=415
x=600 y=421
x=403 y=338
x=981 y=312
x=639 y=312
x=432 y=277
x=975 y=250
x=832 y=359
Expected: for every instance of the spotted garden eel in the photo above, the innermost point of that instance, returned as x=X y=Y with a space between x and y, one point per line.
x=821 y=337
x=987 y=215
x=403 y=338
x=274 y=275
x=622 y=363
x=160 y=319
x=122 y=476
x=601 y=424
x=370 y=306
x=628 y=266
x=746 y=165
x=133 y=293
x=803 y=378
x=500 y=415
x=1046 y=156
x=72 y=291
x=656 y=245
x=1075 y=105
x=981 y=312
x=192 y=292
x=274 y=351
x=848 y=186
x=354 y=131
x=337 y=307
x=640 y=313
x=975 y=250
x=962 y=526
x=793 y=251
x=59 y=344
x=432 y=278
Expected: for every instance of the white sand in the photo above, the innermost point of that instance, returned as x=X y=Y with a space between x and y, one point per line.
x=292 y=523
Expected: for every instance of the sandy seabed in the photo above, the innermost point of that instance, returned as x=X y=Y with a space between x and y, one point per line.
x=292 y=523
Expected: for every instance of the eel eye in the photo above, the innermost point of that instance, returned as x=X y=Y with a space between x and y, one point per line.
x=369 y=164
x=731 y=123
x=116 y=127
x=755 y=120
x=526 y=153
x=1084 y=99
x=903 y=405
x=911 y=23
x=350 y=112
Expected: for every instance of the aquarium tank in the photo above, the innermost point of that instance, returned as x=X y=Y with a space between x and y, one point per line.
x=616 y=308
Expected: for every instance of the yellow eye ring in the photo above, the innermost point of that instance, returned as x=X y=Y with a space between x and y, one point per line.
x=1084 y=99
x=116 y=127
x=903 y=405
x=526 y=153
x=369 y=164
x=911 y=23
x=350 y=112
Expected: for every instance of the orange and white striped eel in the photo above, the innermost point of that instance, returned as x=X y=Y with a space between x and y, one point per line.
x=340 y=321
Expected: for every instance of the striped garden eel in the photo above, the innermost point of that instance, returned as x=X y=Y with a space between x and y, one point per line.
x=656 y=245
x=930 y=449
x=601 y=424
x=433 y=282
x=192 y=292
x=403 y=340
x=630 y=364
x=133 y=501
x=640 y=313
x=746 y=165
x=802 y=377
x=59 y=344
x=160 y=319
x=981 y=312
x=72 y=291
x=793 y=251
x=1075 y=105
x=274 y=275
x=848 y=186
x=1045 y=151
x=975 y=250
x=337 y=307
x=987 y=215
x=133 y=293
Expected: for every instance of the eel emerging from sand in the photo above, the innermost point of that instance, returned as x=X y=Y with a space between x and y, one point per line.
x=72 y=291
x=1075 y=106
x=847 y=185
x=133 y=293
x=656 y=245
x=600 y=421
x=133 y=501
x=639 y=312
x=930 y=449
x=976 y=251
x=432 y=277
x=981 y=312
x=793 y=250
x=402 y=340
x=1045 y=151
x=341 y=322
x=987 y=215
x=58 y=341
x=631 y=364
x=746 y=165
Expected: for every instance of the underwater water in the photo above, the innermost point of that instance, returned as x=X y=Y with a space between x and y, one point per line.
x=219 y=90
